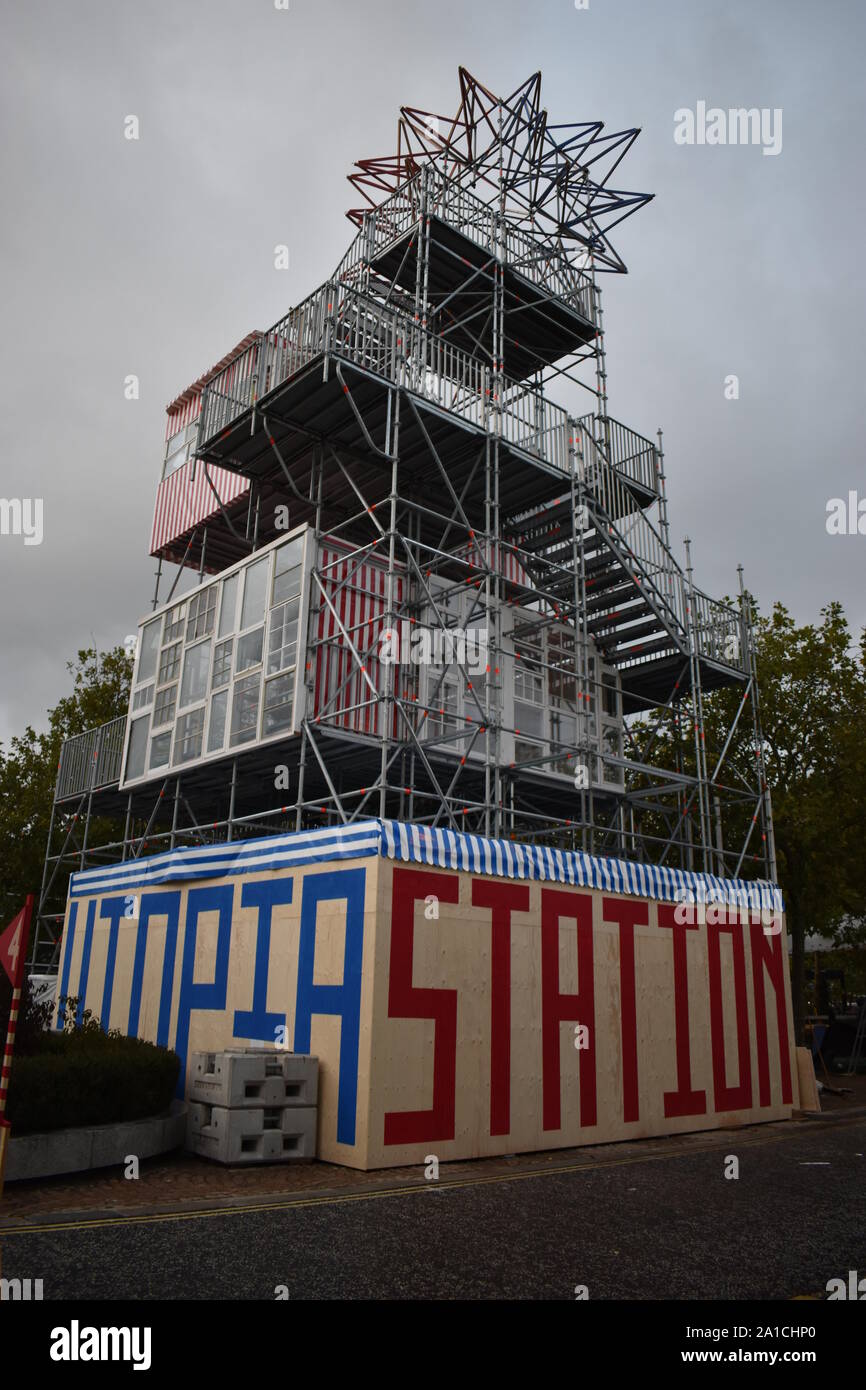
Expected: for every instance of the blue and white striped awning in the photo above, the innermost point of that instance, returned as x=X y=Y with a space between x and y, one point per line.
x=422 y=844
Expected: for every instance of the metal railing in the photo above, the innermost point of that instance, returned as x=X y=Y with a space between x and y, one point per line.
x=543 y=264
x=628 y=524
x=713 y=626
x=90 y=760
x=631 y=453
x=718 y=631
x=357 y=328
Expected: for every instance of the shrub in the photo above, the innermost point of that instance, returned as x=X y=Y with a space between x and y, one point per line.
x=33 y=1018
x=86 y=1076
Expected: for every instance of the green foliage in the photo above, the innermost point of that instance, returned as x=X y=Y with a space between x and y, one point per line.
x=33 y=1018
x=28 y=768
x=86 y=1076
x=812 y=687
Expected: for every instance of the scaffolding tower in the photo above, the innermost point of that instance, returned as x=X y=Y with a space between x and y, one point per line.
x=398 y=424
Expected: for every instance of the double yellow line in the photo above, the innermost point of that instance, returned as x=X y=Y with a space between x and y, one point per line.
x=412 y=1189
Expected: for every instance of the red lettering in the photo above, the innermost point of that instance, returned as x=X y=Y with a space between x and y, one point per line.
x=557 y=1007
x=502 y=899
x=727 y=1097
x=628 y=914
x=406 y=1001
x=682 y=1101
x=767 y=954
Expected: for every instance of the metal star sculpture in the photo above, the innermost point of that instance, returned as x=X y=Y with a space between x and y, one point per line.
x=551 y=179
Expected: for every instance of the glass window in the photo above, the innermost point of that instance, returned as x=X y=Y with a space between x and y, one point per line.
x=563 y=729
x=610 y=704
x=137 y=747
x=228 y=606
x=175 y=451
x=142 y=697
x=283 y=636
x=611 y=746
x=189 y=731
x=279 y=695
x=222 y=663
x=561 y=681
x=160 y=749
x=253 y=609
x=528 y=719
x=202 y=611
x=589 y=704
x=217 y=728
x=528 y=684
x=563 y=732
x=250 y=649
x=149 y=649
x=175 y=621
x=169 y=665
x=195 y=671
x=443 y=698
x=526 y=752
x=174 y=443
x=163 y=710
x=288 y=568
x=245 y=709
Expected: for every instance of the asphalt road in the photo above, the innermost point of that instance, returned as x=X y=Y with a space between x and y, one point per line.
x=658 y=1225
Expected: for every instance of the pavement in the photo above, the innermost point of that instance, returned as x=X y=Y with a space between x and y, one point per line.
x=643 y=1220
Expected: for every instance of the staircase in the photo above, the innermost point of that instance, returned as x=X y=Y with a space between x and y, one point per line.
x=637 y=596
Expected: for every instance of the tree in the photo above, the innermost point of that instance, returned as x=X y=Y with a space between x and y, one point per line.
x=813 y=710
x=812 y=691
x=28 y=767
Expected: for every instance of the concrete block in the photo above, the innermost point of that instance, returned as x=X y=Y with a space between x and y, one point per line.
x=810 y=1101
x=281 y=1134
x=254 y=1078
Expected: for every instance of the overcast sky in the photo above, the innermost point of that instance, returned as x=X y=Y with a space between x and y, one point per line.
x=154 y=257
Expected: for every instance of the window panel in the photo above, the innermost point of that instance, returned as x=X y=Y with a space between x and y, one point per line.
x=610 y=702
x=222 y=663
x=142 y=697
x=250 y=649
x=279 y=700
x=611 y=746
x=169 y=665
x=563 y=733
x=529 y=719
x=160 y=749
x=175 y=622
x=163 y=710
x=245 y=709
x=228 y=606
x=187 y=743
x=288 y=569
x=217 y=727
x=149 y=649
x=255 y=581
x=202 y=611
x=283 y=636
x=137 y=747
x=195 y=671
x=528 y=681
x=526 y=752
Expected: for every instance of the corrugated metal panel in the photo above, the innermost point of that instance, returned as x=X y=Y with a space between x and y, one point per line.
x=184 y=499
x=358 y=592
x=182 y=414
